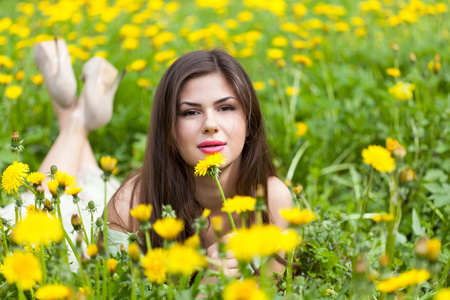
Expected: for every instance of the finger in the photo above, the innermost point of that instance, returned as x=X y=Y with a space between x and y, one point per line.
x=232 y=263
x=232 y=273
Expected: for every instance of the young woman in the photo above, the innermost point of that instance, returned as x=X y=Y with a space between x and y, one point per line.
x=204 y=103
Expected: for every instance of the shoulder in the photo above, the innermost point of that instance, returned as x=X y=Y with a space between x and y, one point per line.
x=278 y=196
x=119 y=207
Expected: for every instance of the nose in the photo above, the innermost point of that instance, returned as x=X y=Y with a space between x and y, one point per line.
x=210 y=125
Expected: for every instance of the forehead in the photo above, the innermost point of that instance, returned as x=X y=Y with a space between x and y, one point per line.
x=207 y=87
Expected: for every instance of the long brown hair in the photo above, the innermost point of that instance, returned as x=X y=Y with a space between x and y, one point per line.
x=165 y=177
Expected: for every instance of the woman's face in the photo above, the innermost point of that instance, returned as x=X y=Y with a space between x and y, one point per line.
x=210 y=119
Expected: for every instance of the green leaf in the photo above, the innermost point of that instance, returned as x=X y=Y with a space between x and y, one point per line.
x=418 y=230
x=434 y=188
x=440 y=199
x=435 y=175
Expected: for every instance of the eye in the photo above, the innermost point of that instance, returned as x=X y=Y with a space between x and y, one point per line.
x=226 y=108
x=189 y=113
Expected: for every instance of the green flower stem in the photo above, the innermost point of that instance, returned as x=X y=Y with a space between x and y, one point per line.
x=4 y=240
x=444 y=274
x=147 y=240
x=225 y=200
x=133 y=274
x=364 y=205
x=289 y=273
x=85 y=236
x=259 y=218
x=21 y=294
x=29 y=188
x=43 y=264
x=32 y=294
x=97 y=280
x=262 y=274
x=390 y=242
x=105 y=243
x=16 y=210
x=242 y=221
x=105 y=221
x=92 y=226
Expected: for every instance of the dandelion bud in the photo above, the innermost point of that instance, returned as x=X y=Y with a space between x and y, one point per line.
x=84 y=259
x=48 y=205
x=400 y=152
x=395 y=47
x=281 y=63
x=115 y=277
x=99 y=222
x=133 y=251
x=19 y=203
x=361 y=265
x=101 y=246
x=40 y=192
x=14 y=136
x=433 y=249
x=384 y=260
x=91 y=206
x=407 y=175
x=76 y=222
x=260 y=191
x=288 y=183
x=132 y=237
x=420 y=248
x=260 y=205
x=412 y=57
x=79 y=238
x=122 y=248
x=298 y=189
x=217 y=224
x=53 y=170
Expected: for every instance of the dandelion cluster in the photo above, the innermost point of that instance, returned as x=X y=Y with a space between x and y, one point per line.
x=38 y=228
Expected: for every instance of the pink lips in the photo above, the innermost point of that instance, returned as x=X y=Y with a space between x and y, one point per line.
x=210 y=147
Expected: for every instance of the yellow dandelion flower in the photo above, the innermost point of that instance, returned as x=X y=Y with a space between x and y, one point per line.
x=302 y=59
x=193 y=241
x=342 y=26
x=144 y=82
x=434 y=66
x=443 y=294
x=23 y=269
x=289 y=240
x=433 y=249
x=402 y=91
x=392 y=145
x=64 y=179
x=35 y=178
x=38 y=228
x=13 y=176
x=302 y=128
x=244 y=290
x=405 y=279
x=37 y=79
x=6 y=62
x=5 y=78
x=258 y=85
x=184 y=260
x=154 y=264
x=74 y=190
x=134 y=252
x=142 y=212
x=295 y=216
x=53 y=292
x=108 y=164
x=13 y=92
x=275 y=53
x=92 y=250
x=239 y=204
x=112 y=264
x=206 y=213
x=130 y=43
x=279 y=41
x=217 y=223
x=394 y=72
x=251 y=242
x=138 y=65
x=31 y=209
x=379 y=158
x=383 y=217
x=53 y=187
x=168 y=228
x=211 y=161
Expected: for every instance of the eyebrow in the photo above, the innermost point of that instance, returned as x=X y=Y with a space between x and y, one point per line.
x=215 y=102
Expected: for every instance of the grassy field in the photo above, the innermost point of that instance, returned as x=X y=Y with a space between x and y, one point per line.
x=332 y=79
